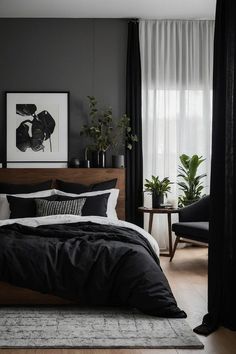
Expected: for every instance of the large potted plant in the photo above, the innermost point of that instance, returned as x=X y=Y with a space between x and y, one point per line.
x=158 y=188
x=105 y=133
x=189 y=182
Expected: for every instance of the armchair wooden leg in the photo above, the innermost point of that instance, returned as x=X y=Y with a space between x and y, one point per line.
x=175 y=246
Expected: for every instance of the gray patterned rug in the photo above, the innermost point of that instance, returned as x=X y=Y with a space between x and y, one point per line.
x=73 y=327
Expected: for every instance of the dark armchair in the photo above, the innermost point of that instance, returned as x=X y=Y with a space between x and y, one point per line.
x=193 y=224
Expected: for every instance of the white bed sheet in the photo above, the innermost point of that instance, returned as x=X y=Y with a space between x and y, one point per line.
x=66 y=219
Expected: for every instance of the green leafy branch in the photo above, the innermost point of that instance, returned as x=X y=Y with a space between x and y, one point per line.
x=157 y=186
x=190 y=183
x=102 y=130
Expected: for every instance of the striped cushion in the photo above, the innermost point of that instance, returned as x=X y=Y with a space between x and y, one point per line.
x=48 y=207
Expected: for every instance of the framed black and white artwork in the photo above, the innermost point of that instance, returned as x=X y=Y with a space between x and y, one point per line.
x=37 y=129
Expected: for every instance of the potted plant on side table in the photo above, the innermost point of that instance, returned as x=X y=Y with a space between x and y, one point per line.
x=158 y=188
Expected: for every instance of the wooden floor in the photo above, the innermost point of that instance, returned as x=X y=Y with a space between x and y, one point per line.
x=187 y=275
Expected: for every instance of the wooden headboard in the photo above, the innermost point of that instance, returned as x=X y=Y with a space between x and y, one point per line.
x=76 y=175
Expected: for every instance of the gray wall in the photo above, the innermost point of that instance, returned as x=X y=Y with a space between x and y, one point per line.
x=83 y=56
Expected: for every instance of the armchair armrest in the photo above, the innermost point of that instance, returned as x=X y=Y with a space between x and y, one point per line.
x=198 y=211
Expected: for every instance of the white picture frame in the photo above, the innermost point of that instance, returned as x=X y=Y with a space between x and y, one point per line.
x=37 y=128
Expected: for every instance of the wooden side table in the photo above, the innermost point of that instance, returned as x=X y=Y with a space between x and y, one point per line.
x=168 y=212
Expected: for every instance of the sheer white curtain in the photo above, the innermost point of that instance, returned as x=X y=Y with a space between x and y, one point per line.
x=177 y=65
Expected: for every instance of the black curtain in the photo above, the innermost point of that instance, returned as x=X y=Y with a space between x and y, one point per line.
x=222 y=247
x=134 y=158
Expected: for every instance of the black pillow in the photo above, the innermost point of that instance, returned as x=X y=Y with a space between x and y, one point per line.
x=102 y=186
x=94 y=205
x=69 y=187
x=8 y=188
x=78 y=188
x=24 y=207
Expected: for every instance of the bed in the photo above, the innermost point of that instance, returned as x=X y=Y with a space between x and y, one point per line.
x=84 y=260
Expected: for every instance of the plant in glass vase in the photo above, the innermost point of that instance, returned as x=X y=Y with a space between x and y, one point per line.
x=124 y=139
x=99 y=130
x=104 y=133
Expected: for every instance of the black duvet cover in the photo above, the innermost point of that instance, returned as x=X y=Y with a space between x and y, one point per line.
x=91 y=263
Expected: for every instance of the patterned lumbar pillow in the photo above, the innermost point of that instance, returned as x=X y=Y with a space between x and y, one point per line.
x=46 y=207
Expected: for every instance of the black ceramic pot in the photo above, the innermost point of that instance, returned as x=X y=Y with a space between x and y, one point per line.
x=157 y=200
x=94 y=159
x=74 y=162
x=118 y=161
x=84 y=163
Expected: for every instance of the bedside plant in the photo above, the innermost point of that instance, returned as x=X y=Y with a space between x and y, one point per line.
x=99 y=130
x=190 y=183
x=124 y=135
x=104 y=133
x=124 y=139
x=158 y=188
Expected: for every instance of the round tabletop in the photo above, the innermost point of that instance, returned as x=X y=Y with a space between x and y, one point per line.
x=158 y=210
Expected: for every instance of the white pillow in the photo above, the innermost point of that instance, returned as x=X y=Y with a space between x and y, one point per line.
x=111 y=203
x=4 y=205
